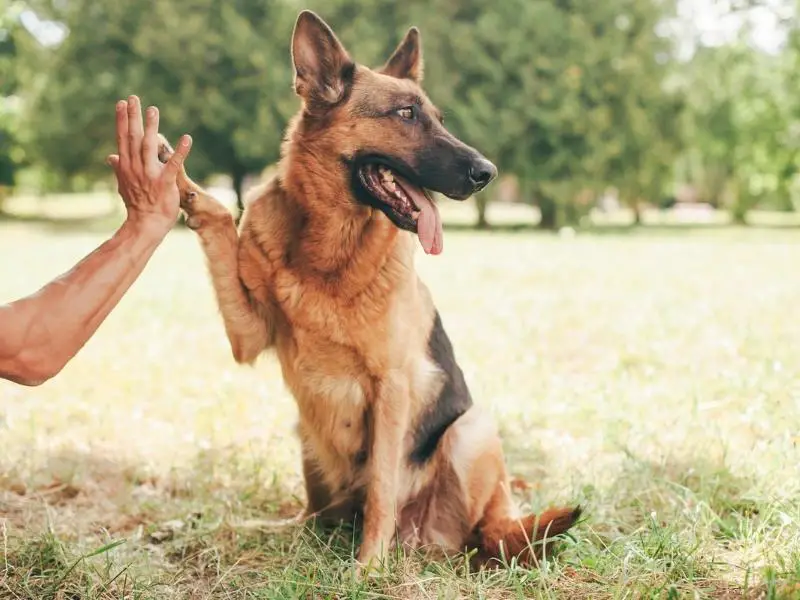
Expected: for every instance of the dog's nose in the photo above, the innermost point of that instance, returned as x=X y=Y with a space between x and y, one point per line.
x=481 y=172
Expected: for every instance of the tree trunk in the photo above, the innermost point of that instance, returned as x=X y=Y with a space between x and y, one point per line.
x=238 y=183
x=549 y=211
x=637 y=213
x=785 y=203
x=739 y=214
x=481 y=202
x=740 y=204
x=572 y=214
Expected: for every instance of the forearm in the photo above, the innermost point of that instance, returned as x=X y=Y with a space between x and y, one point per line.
x=39 y=334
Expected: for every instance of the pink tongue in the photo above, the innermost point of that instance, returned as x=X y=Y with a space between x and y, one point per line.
x=429 y=223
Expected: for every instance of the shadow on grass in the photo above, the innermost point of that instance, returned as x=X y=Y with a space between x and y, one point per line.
x=95 y=224
x=616 y=230
x=104 y=223
x=670 y=488
x=107 y=222
x=98 y=528
x=88 y=527
x=671 y=520
x=69 y=527
x=671 y=228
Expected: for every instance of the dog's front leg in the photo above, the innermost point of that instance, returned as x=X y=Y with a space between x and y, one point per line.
x=389 y=422
x=249 y=329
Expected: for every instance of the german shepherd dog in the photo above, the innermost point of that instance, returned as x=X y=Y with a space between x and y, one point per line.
x=321 y=268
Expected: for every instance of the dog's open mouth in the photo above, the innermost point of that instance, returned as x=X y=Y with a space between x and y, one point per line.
x=409 y=206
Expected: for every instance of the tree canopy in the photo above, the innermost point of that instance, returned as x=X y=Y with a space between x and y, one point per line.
x=571 y=97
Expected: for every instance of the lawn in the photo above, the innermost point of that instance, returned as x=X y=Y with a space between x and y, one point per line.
x=651 y=378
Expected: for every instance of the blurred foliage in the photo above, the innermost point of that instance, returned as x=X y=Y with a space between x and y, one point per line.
x=11 y=156
x=212 y=67
x=743 y=132
x=571 y=97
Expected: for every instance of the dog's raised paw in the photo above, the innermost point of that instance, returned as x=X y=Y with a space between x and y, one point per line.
x=188 y=201
x=165 y=150
x=201 y=209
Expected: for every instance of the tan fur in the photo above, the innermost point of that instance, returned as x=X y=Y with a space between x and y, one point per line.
x=330 y=285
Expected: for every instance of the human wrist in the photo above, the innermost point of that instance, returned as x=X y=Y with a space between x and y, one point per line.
x=149 y=228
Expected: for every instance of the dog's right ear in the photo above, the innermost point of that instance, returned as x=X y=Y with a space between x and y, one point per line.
x=406 y=61
x=323 y=69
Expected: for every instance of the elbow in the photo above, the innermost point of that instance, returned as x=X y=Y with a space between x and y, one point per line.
x=30 y=380
x=243 y=358
x=243 y=354
x=35 y=370
x=34 y=378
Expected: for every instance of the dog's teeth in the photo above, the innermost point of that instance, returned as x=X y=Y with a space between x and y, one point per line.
x=415 y=214
x=389 y=185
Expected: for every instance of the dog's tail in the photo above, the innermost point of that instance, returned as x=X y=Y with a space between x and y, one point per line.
x=528 y=539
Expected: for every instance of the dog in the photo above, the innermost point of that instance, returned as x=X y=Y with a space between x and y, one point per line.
x=321 y=269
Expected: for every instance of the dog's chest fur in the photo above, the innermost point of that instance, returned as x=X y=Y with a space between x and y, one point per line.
x=334 y=352
x=335 y=374
x=336 y=398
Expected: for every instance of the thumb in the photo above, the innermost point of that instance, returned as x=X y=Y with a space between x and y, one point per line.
x=112 y=160
x=175 y=163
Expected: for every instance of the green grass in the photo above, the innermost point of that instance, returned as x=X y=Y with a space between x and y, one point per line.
x=652 y=378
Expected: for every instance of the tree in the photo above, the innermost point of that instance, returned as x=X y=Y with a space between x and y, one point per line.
x=558 y=93
x=743 y=127
x=218 y=70
x=638 y=148
x=11 y=154
x=552 y=90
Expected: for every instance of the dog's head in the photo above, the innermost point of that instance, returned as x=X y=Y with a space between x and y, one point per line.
x=390 y=137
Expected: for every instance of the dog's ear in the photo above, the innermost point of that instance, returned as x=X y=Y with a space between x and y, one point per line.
x=323 y=69
x=406 y=61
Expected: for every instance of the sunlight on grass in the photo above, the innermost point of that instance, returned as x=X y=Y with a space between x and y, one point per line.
x=651 y=378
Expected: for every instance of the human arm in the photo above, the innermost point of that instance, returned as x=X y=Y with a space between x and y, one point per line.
x=41 y=333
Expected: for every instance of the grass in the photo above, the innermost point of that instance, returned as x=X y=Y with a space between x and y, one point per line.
x=651 y=378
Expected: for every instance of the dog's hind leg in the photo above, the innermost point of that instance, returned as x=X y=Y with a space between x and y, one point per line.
x=249 y=328
x=472 y=448
x=504 y=535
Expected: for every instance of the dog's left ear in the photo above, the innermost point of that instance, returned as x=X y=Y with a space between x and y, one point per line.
x=406 y=61
x=323 y=68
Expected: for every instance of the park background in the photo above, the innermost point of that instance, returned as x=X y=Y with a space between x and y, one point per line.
x=623 y=299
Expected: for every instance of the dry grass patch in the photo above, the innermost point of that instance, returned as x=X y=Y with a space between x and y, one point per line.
x=651 y=378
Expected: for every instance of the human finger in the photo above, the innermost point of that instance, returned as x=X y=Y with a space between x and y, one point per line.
x=122 y=133
x=112 y=160
x=175 y=163
x=135 y=133
x=150 y=142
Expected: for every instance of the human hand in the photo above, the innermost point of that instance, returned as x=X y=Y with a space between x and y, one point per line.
x=148 y=187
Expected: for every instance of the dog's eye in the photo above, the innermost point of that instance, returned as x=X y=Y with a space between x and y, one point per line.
x=407 y=113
